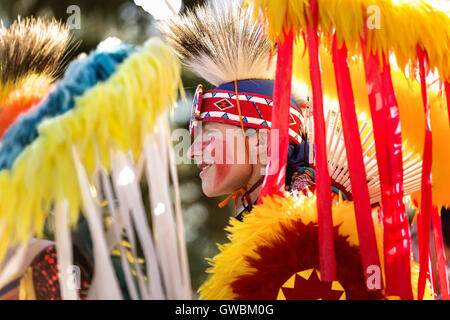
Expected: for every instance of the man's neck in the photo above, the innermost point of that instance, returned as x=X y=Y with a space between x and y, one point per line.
x=254 y=194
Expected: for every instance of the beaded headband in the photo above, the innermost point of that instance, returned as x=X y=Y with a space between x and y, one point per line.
x=255 y=99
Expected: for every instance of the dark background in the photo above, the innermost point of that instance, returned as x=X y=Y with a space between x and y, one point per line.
x=100 y=19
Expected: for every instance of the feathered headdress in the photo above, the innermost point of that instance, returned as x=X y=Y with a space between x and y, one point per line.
x=221 y=43
x=226 y=47
x=349 y=63
x=372 y=34
x=85 y=148
x=31 y=54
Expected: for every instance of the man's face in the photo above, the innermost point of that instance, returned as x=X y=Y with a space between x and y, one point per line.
x=219 y=152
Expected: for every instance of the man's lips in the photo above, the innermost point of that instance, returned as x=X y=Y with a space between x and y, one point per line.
x=203 y=166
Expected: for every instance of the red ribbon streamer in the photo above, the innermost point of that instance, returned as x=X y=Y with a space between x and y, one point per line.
x=426 y=204
x=447 y=93
x=358 y=178
x=274 y=181
x=441 y=260
x=430 y=276
x=323 y=182
x=388 y=145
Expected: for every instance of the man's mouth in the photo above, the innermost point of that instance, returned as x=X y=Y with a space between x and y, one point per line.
x=203 y=167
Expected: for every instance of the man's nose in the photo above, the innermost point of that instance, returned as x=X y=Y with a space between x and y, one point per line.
x=190 y=152
x=194 y=150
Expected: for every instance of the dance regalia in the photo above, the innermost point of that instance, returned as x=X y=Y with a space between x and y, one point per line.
x=69 y=170
x=311 y=242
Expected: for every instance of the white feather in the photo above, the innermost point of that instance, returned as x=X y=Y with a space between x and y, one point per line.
x=155 y=149
x=337 y=157
x=221 y=43
x=104 y=284
x=118 y=165
x=64 y=255
x=117 y=227
x=186 y=279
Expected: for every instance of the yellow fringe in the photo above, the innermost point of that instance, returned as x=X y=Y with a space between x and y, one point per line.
x=263 y=225
x=114 y=114
x=409 y=98
x=403 y=24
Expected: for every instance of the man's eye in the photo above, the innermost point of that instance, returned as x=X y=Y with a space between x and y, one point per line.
x=208 y=140
x=208 y=136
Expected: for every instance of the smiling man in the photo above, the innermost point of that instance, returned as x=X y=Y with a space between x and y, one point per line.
x=231 y=124
x=275 y=249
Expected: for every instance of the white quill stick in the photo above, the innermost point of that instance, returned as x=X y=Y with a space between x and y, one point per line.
x=64 y=254
x=14 y=265
x=179 y=217
x=162 y=216
x=104 y=283
x=17 y=259
x=118 y=175
x=117 y=228
x=337 y=159
x=133 y=199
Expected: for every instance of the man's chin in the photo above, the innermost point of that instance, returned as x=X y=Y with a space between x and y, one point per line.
x=212 y=192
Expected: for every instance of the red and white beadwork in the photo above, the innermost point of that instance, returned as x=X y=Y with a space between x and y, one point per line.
x=256 y=110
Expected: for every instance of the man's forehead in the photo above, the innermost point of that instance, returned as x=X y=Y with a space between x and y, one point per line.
x=217 y=125
x=221 y=131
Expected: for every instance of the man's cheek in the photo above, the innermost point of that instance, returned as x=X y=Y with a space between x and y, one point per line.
x=220 y=173
x=218 y=152
x=222 y=165
x=208 y=151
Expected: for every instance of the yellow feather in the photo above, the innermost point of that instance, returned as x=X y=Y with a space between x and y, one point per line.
x=403 y=24
x=32 y=87
x=263 y=225
x=114 y=114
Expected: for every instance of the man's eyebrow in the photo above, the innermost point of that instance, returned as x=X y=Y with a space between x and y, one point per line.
x=206 y=131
